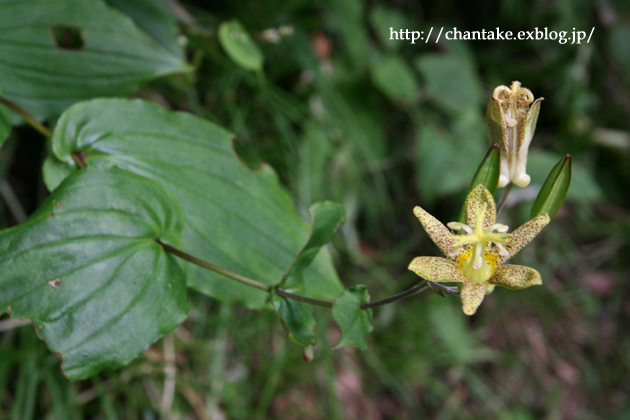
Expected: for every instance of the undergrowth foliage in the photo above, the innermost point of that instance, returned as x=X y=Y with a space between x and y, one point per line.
x=108 y=300
x=147 y=206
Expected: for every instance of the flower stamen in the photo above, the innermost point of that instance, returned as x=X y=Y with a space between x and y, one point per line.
x=473 y=246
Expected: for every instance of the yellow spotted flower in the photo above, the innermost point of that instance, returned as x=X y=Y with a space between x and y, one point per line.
x=511 y=116
x=476 y=258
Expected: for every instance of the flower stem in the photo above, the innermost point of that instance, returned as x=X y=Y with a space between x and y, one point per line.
x=27 y=117
x=504 y=197
x=418 y=288
x=413 y=290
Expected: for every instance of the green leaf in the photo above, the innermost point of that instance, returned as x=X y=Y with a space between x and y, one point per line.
x=393 y=76
x=354 y=321
x=326 y=217
x=55 y=171
x=451 y=80
x=155 y=18
x=296 y=316
x=554 y=190
x=236 y=218
x=5 y=123
x=297 y=319
x=239 y=45
x=56 y=53
x=86 y=268
x=487 y=174
x=447 y=156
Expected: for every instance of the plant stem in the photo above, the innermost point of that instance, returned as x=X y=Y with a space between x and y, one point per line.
x=215 y=268
x=79 y=159
x=27 y=117
x=413 y=290
x=504 y=197
x=281 y=292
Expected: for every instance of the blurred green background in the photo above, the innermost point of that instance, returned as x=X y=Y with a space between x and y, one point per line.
x=380 y=126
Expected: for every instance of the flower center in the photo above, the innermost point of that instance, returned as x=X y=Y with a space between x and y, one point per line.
x=473 y=247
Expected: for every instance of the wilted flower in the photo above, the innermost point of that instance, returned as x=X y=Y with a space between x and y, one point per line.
x=476 y=257
x=511 y=118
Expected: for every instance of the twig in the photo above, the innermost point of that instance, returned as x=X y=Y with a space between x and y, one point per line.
x=27 y=117
x=281 y=292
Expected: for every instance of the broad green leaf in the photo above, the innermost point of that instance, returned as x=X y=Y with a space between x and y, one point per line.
x=554 y=190
x=296 y=316
x=487 y=174
x=87 y=270
x=56 y=53
x=155 y=18
x=237 y=43
x=236 y=218
x=354 y=321
x=393 y=76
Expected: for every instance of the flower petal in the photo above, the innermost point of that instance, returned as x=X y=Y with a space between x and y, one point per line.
x=497 y=128
x=527 y=126
x=436 y=269
x=475 y=202
x=472 y=295
x=439 y=234
x=515 y=277
x=521 y=237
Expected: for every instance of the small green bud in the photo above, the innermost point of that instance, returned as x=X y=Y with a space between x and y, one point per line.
x=554 y=190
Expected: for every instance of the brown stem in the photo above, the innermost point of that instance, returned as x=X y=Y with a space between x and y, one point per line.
x=281 y=292
x=79 y=158
x=215 y=268
x=27 y=117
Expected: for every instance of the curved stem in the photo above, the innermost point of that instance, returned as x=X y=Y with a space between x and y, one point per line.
x=318 y=302
x=27 y=117
x=281 y=292
x=215 y=268
x=413 y=290
x=79 y=158
x=504 y=197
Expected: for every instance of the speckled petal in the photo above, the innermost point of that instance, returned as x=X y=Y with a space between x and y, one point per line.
x=515 y=277
x=475 y=201
x=436 y=269
x=521 y=237
x=439 y=234
x=472 y=295
x=527 y=126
